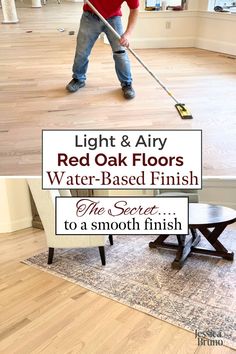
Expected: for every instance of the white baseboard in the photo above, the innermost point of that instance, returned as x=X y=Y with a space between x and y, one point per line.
x=16 y=225
x=201 y=43
x=173 y=42
x=216 y=46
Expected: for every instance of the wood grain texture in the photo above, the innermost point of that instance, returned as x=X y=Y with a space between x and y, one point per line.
x=41 y=313
x=37 y=66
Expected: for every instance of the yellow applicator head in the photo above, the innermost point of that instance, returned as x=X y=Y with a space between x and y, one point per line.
x=183 y=111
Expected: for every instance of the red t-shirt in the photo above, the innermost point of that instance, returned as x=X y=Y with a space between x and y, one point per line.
x=110 y=8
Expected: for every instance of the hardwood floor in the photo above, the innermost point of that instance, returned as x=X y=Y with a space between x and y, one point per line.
x=37 y=66
x=41 y=313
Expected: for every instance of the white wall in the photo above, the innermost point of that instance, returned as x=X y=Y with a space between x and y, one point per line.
x=15 y=209
x=205 y=4
x=196 y=27
x=216 y=32
x=219 y=191
x=123 y=193
x=165 y=29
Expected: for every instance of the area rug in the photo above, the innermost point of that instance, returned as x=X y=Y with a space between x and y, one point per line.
x=201 y=296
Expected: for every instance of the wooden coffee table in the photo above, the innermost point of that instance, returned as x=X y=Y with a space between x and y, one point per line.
x=202 y=217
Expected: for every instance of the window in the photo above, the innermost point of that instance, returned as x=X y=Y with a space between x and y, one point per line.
x=226 y=4
x=152 y=3
x=174 y=2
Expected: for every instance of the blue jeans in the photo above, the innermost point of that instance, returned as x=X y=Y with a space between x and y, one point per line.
x=90 y=29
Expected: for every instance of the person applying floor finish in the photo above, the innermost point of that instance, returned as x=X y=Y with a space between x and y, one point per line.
x=90 y=29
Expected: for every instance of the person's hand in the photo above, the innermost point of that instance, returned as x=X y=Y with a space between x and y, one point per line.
x=124 y=41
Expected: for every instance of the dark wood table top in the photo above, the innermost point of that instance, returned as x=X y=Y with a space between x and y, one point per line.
x=210 y=215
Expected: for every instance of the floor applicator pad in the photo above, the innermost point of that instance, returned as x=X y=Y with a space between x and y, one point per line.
x=183 y=111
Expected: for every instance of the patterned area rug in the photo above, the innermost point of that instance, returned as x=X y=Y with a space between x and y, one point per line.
x=201 y=296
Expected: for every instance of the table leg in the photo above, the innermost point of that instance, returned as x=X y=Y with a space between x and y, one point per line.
x=159 y=241
x=183 y=248
x=212 y=238
x=182 y=253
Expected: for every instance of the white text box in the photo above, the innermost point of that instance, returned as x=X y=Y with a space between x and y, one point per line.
x=109 y=159
x=121 y=215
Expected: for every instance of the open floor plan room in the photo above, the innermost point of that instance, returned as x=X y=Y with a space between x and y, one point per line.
x=37 y=57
